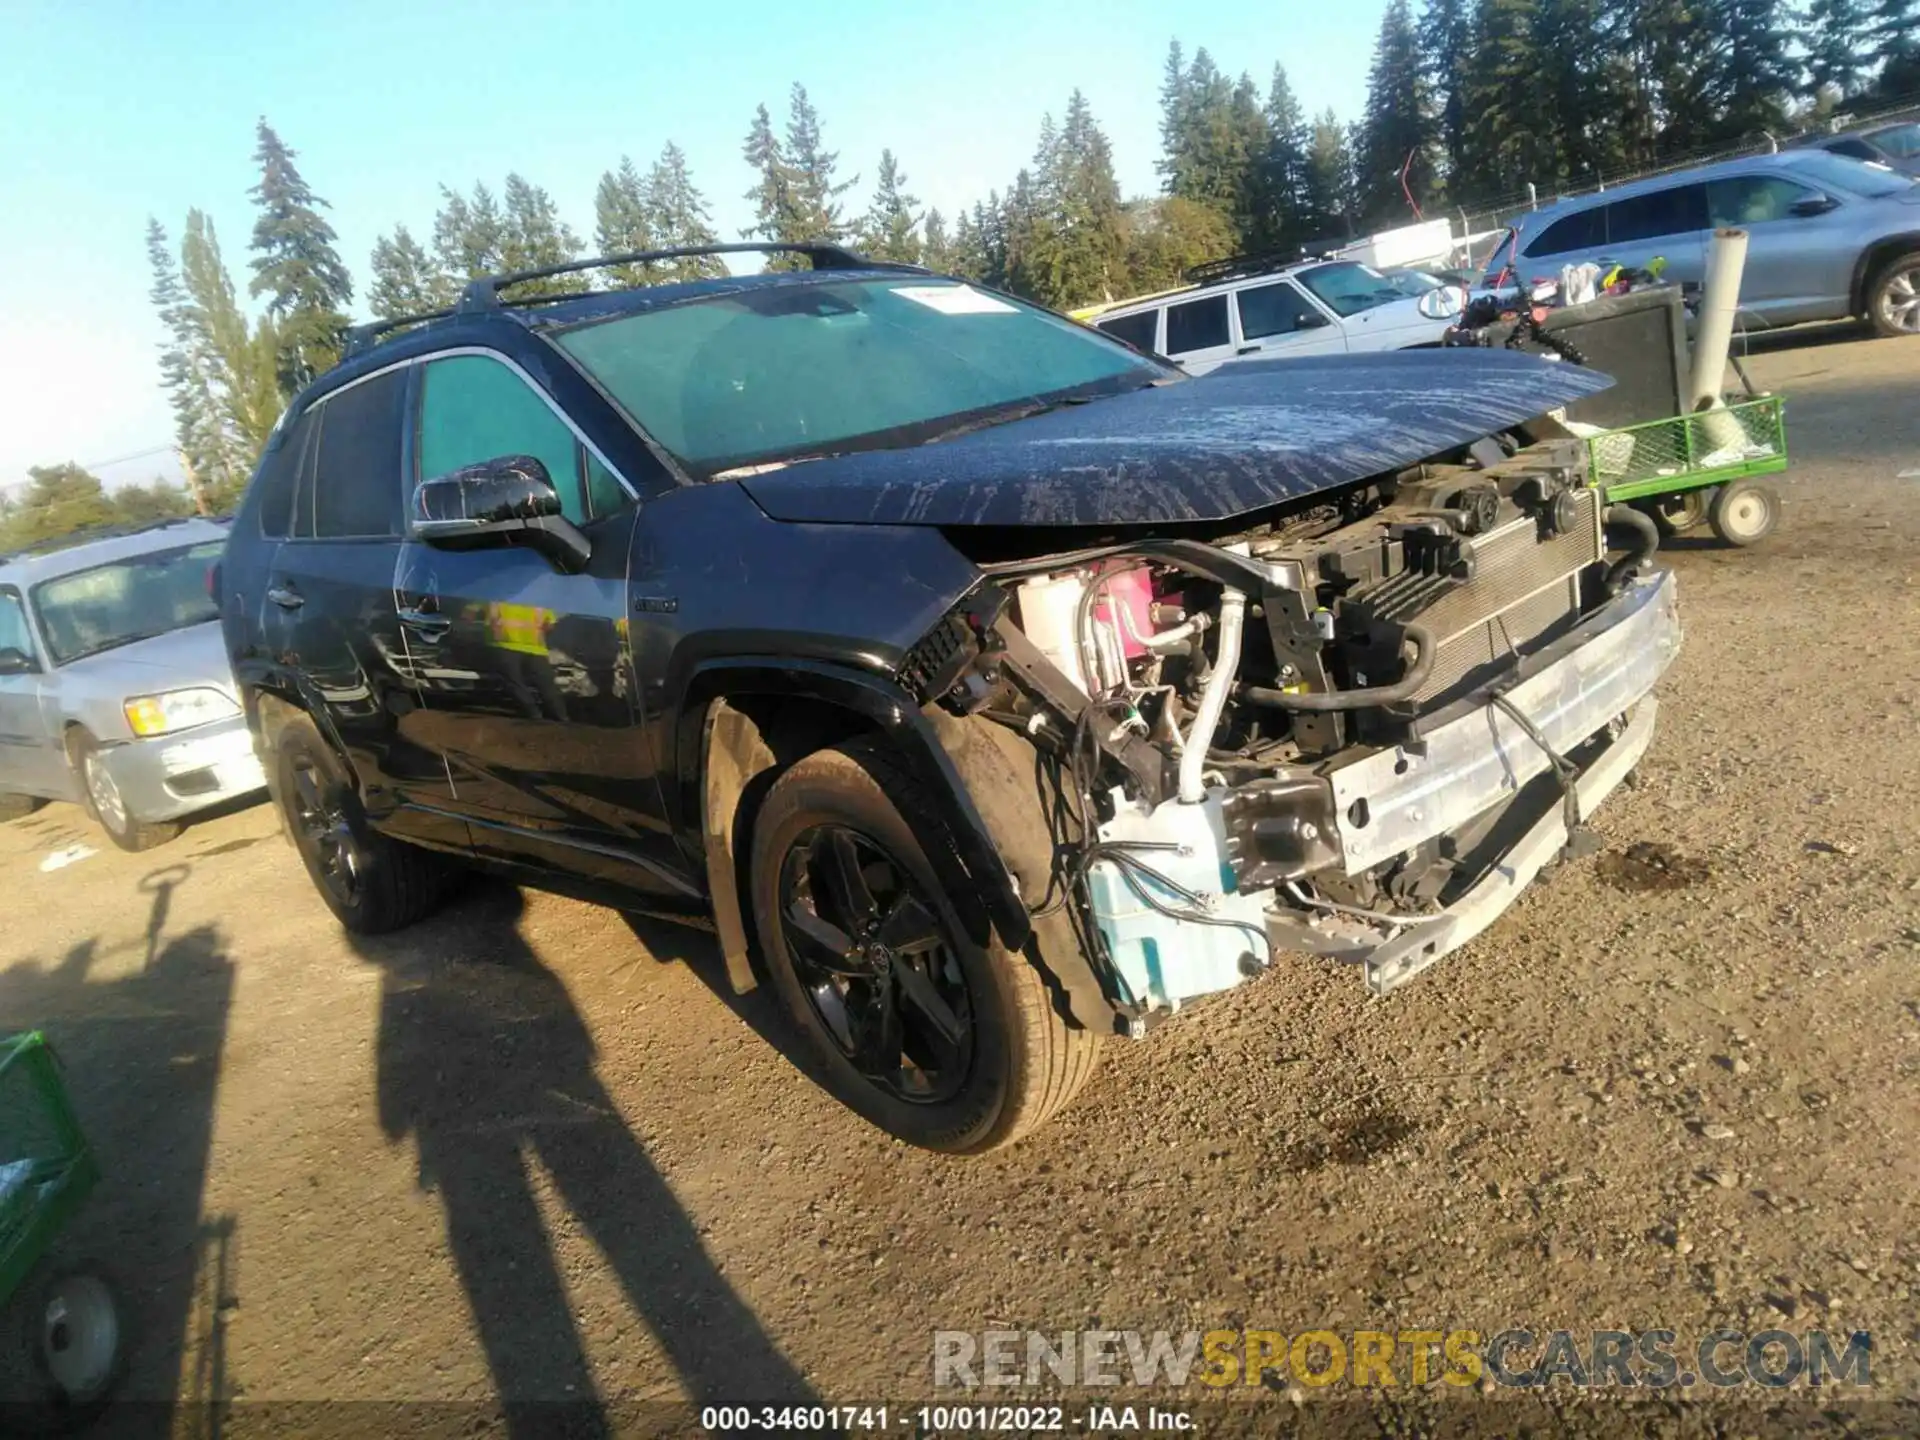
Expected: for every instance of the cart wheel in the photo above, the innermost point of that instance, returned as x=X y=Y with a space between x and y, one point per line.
x=1744 y=511
x=1675 y=514
x=65 y=1349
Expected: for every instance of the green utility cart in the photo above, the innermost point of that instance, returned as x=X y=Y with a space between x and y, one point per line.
x=1710 y=465
x=61 y=1340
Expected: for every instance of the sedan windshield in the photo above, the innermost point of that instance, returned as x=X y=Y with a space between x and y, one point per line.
x=777 y=372
x=133 y=599
x=1902 y=141
x=1348 y=287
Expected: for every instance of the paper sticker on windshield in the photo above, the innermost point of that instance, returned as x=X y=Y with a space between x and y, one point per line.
x=955 y=300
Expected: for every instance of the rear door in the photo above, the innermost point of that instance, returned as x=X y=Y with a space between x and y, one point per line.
x=328 y=608
x=1669 y=224
x=528 y=677
x=1199 y=334
x=1799 y=266
x=1141 y=330
x=1278 y=318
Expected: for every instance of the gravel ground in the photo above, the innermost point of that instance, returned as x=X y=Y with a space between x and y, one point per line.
x=535 y=1150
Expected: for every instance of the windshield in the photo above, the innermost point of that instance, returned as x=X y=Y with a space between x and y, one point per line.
x=777 y=372
x=1857 y=176
x=1348 y=287
x=133 y=599
x=1902 y=141
x=1411 y=282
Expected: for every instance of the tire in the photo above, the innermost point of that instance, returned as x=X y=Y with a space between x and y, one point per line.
x=1893 y=297
x=372 y=882
x=1744 y=512
x=1676 y=514
x=18 y=807
x=63 y=1349
x=1015 y=1062
x=104 y=801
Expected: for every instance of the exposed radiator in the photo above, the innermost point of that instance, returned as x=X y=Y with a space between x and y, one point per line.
x=1522 y=586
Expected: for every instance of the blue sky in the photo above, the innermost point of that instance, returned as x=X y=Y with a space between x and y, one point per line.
x=112 y=111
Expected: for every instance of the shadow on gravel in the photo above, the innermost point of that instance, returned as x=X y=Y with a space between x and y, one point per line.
x=141 y=1056
x=759 y=1009
x=484 y=1061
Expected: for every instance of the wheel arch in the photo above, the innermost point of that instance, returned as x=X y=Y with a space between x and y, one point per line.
x=1871 y=259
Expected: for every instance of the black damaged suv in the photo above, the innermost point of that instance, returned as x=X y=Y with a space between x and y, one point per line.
x=992 y=688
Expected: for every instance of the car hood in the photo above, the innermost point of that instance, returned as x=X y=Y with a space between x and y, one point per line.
x=194 y=656
x=1244 y=437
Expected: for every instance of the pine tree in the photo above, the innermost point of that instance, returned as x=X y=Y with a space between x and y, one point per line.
x=1329 y=181
x=295 y=264
x=969 y=257
x=1838 y=37
x=469 y=236
x=936 y=250
x=199 y=436
x=1396 y=135
x=1446 y=38
x=679 y=217
x=534 y=237
x=1511 y=135
x=1896 y=45
x=240 y=360
x=887 y=230
x=1755 y=76
x=1282 y=175
x=1207 y=155
x=621 y=222
x=1173 y=118
x=1165 y=236
x=404 y=279
x=816 y=193
x=1676 y=64
x=775 y=204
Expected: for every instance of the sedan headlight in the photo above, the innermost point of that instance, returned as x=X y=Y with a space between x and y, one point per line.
x=177 y=710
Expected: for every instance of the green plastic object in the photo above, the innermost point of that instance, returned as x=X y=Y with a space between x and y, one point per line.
x=47 y=1169
x=1710 y=447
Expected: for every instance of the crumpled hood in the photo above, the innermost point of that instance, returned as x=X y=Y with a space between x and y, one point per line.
x=1246 y=436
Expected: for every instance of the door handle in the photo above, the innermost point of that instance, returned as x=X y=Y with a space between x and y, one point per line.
x=1248 y=350
x=427 y=622
x=286 y=597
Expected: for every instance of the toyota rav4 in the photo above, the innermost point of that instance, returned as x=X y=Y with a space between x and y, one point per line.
x=990 y=688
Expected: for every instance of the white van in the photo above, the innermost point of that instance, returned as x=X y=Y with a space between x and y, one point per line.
x=1318 y=308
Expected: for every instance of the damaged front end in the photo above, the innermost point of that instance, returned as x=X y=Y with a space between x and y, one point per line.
x=1356 y=725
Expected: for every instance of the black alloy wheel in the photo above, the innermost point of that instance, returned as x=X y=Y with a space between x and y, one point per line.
x=324 y=831
x=875 y=965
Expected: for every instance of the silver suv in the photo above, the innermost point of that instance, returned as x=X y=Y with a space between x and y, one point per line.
x=114 y=686
x=1829 y=238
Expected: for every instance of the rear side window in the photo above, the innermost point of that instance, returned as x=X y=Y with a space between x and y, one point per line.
x=1653 y=216
x=1197 y=325
x=354 y=489
x=1135 y=330
x=1858 y=149
x=279 y=477
x=1271 y=310
x=1582 y=230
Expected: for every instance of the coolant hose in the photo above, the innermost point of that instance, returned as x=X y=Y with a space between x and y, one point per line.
x=1213 y=699
x=1628 y=518
x=1405 y=688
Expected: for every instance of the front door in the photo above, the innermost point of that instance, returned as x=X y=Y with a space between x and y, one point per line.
x=525 y=670
x=31 y=760
x=1279 y=319
x=1799 y=266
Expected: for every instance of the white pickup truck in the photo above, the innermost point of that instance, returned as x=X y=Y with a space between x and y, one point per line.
x=1326 y=307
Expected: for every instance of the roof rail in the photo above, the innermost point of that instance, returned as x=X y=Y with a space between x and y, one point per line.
x=87 y=534
x=360 y=338
x=1234 y=266
x=484 y=293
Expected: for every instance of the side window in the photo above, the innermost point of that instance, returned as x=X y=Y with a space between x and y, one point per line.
x=1197 y=325
x=1858 y=149
x=14 y=634
x=603 y=491
x=354 y=481
x=1583 y=230
x=1135 y=330
x=1753 y=199
x=279 y=477
x=1677 y=211
x=474 y=408
x=1271 y=310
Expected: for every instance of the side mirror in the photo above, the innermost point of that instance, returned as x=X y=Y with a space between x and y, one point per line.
x=1311 y=320
x=14 y=661
x=1442 y=304
x=508 y=500
x=1813 y=205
